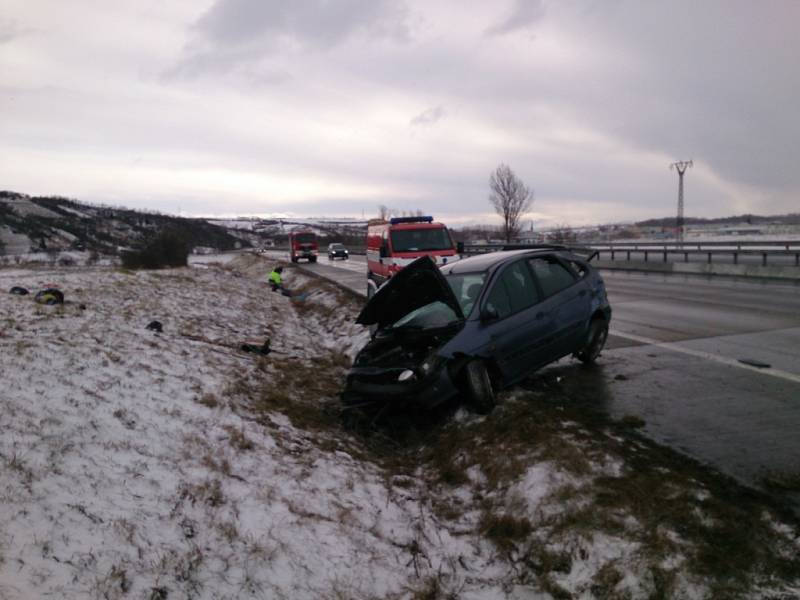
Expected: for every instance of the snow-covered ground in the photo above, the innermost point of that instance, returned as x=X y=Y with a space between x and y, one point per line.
x=136 y=464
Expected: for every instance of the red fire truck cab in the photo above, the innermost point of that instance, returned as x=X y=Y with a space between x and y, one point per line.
x=393 y=244
x=303 y=244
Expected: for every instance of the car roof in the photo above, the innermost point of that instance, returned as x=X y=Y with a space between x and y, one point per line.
x=491 y=260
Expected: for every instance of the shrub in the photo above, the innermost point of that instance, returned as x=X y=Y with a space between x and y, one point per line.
x=168 y=248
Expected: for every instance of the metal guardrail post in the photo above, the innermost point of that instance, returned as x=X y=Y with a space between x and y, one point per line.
x=645 y=256
x=612 y=254
x=665 y=255
x=629 y=256
x=736 y=257
x=685 y=257
x=764 y=259
x=709 y=258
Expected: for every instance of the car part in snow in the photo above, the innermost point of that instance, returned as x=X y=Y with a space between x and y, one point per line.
x=263 y=349
x=155 y=326
x=49 y=296
x=18 y=291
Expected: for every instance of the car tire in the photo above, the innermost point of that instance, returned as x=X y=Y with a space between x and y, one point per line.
x=480 y=393
x=313 y=259
x=595 y=341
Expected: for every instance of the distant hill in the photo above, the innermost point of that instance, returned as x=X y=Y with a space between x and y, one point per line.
x=789 y=219
x=53 y=223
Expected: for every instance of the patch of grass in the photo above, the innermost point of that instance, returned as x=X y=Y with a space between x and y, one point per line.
x=238 y=439
x=209 y=400
x=505 y=530
x=431 y=588
x=605 y=581
x=782 y=481
x=208 y=492
x=632 y=421
x=221 y=465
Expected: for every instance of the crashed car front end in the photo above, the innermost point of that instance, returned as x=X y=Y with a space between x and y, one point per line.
x=415 y=314
x=403 y=367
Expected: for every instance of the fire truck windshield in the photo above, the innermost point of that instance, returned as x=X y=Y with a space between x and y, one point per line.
x=304 y=238
x=418 y=240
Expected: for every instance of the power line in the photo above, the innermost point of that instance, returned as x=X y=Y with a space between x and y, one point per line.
x=680 y=166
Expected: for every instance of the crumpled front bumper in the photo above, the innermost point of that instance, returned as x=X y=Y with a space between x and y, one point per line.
x=368 y=385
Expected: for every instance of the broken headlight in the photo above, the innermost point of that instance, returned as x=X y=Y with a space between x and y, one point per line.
x=430 y=364
x=406 y=375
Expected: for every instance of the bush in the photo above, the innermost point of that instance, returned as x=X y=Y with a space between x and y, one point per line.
x=167 y=249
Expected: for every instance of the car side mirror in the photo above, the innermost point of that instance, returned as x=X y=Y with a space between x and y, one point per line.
x=489 y=314
x=384 y=252
x=460 y=247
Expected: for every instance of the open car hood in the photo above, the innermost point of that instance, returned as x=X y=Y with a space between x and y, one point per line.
x=418 y=284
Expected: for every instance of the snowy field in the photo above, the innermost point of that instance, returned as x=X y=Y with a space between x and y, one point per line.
x=145 y=465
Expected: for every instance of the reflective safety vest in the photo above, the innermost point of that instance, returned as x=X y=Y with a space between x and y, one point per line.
x=275 y=278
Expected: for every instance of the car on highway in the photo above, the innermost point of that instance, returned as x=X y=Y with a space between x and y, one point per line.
x=337 y=250
x=476 y=326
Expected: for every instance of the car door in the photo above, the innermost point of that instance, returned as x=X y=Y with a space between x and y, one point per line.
x=568 y=300
x=519 y=326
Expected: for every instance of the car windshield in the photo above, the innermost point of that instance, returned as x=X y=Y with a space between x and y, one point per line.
x=415 y=240
x=337 y=247
x=466 y=287
x=431 y=316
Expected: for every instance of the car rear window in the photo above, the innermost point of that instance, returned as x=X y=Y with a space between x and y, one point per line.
x=552 y=275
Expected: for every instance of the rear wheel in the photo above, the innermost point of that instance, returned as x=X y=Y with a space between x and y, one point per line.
x=480 y=393
x=595 y=341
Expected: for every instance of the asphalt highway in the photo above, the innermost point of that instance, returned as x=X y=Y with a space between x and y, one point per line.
x=712 y=365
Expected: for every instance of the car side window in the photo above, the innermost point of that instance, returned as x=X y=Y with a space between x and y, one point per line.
x=498 y=300
x=552 y=275
x=514 y=291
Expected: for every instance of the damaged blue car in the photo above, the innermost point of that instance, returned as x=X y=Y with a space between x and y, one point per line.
x=476 y=326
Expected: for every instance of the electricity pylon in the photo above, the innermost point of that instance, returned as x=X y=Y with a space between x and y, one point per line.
x=680 y=166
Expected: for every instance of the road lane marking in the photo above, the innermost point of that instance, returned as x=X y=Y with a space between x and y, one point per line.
x=732 y=362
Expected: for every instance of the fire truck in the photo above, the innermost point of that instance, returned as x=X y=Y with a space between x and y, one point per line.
x=303 y=244
x=393 y=244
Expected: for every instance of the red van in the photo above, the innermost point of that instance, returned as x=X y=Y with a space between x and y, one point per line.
x=303 y=244
x=393 y=244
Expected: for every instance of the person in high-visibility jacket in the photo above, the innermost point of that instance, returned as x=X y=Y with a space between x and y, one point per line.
x=275 y=280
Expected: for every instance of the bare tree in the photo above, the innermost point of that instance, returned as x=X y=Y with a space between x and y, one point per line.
x=384 y=212
x=511 y=199
x=563 y=234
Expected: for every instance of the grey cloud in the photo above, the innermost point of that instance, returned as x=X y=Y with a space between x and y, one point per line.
x=524 y=13
x=428 y=117
x=241 y=38
x=319 y=23
x=10 y=30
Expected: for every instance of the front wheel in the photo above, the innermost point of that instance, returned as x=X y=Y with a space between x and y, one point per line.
x=480 y=394
x=595 y=341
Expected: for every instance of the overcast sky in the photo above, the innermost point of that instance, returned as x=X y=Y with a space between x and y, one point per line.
x=333 y=107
